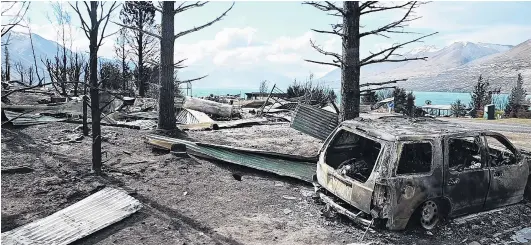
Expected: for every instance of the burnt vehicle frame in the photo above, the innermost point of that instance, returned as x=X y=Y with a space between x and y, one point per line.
x=464 y=173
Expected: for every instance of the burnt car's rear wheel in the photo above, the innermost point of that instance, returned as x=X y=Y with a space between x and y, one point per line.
x=430 y=214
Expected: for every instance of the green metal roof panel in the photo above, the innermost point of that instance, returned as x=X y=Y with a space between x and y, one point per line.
x=26 y=119
x=298 y=169
x=314 y=121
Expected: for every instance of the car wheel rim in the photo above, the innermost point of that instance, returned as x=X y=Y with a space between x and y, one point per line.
x=429 y=216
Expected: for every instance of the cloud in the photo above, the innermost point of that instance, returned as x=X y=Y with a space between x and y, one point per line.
x=75 y=37
x=284 y=58
x=442 y=16
x=238 y=48
x=498 y=34
x=234 y=37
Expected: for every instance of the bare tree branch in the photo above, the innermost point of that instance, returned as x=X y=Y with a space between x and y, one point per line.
x=180 y=34
x=370 y=59
x=4 y=11
x=39 y=78
x=383 y=83
x=327 y=7
x=323 y=63
x=158 y=9
x=178 y=64
x=84 y=25
x=7 y=40
x=366 y=4
x=376 y=89
x=183 y=6
x=106 y=18
x=140 y=30
x=397 y=24
x=320 y=50
x=17 y=18
x=377 y=8
x=335 y=32
x=191 y=80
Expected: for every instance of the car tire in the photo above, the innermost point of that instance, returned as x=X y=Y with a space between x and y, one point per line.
x=430 y=214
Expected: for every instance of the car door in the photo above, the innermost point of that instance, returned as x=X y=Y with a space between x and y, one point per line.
x=466 y=174
x=345 y=144
x=508 y=171
x=418 y=175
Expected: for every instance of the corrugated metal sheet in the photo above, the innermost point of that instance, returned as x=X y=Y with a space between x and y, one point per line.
x=143 y=124
x=241 y=122
x=85 y=217
x=224 y=124
x=282 y=105
x=314 y=121
x=21 y=119
x=330 y=109
x=189 y=116
x=146 y=115
x=312 y=159
x=276 y=163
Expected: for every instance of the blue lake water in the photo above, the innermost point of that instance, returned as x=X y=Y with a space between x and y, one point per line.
x=437 y=98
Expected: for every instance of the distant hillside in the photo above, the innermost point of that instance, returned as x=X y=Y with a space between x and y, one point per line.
x=20 y=51
x=454 y=68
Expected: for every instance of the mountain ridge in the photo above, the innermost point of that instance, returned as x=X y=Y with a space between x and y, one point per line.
x=455 y=68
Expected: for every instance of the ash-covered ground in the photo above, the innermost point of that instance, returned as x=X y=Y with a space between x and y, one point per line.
x=190 y=201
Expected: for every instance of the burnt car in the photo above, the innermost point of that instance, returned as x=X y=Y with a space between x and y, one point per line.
x=394 y=170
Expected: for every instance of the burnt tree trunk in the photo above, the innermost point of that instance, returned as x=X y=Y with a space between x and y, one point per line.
x=63 y=75
x=94 y=92
x=141 y=77
x=8 y=66
x=350 y=69
x=166 y=104
x=124 y=64
x=77 y=73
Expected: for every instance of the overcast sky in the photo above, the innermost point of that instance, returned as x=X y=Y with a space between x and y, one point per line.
x=275 y=35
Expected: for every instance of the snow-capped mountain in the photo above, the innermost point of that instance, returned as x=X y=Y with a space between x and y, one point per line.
x=500 y=69
x=19 y=47
x=422 y=50
x=452 y=68
x=20 y=51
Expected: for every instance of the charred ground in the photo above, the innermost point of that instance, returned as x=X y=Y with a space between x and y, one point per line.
x=194 y=201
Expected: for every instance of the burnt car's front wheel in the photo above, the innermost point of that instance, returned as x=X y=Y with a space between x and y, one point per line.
x=430 y=214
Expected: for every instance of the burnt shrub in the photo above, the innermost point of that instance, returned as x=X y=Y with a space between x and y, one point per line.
x=310 y=92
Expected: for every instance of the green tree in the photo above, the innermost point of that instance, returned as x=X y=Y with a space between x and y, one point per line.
x=110 y=75
x=311 y=93
x=458 y=108
x=480 y=96
x=369 y=98
x=167 y=37
x=410 y=104
x=264 y=87
x=400 y=98
x=516 y=98
x=141 y=16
